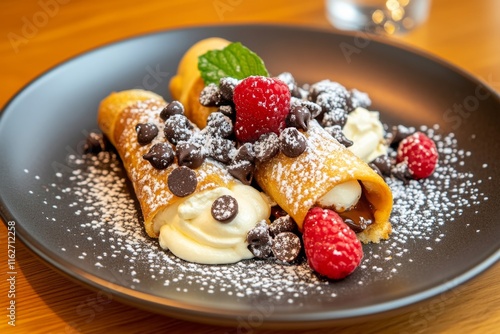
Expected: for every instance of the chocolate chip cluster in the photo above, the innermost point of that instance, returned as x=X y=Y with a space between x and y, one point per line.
x=190 y=147
x=186 y=143
x=279 y=239
x=290 y=141
x=327 y=101
x=181 y=143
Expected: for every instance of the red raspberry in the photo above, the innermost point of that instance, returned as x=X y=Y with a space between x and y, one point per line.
x=420 y=153
x=262 y=105
x=332 y=248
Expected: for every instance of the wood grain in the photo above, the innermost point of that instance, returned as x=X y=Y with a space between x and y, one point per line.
x=37 y=35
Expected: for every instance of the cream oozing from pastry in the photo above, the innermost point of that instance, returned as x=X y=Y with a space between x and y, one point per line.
x=342 y=197
x=364 y=128
x=190 y=232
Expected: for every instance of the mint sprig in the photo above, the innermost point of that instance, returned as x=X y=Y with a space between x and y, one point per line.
x=235 y=60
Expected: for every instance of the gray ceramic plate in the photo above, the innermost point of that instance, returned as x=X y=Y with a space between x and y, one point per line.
x=94 y=234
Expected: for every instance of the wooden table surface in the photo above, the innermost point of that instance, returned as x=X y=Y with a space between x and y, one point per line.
x=36 y=35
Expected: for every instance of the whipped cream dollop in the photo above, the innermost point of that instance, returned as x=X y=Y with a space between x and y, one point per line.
x=364 y=128
x=342 y=197
x=190 y=232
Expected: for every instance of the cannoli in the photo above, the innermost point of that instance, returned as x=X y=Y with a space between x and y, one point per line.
x=328 y=175
x=325 y=173
x=190 y=202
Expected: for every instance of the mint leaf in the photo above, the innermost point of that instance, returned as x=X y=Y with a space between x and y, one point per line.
x=235 y=60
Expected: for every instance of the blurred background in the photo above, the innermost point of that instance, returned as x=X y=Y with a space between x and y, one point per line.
x=38 y=34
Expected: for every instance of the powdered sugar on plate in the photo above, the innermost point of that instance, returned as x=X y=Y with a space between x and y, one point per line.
x=109 y=234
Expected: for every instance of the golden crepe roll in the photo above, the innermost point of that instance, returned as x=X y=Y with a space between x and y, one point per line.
x=301 y=183
x=182 y=222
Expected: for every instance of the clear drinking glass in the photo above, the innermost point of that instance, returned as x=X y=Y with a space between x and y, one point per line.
x=378 y=16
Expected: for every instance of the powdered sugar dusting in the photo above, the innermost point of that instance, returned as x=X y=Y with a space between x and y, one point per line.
x=105 y=229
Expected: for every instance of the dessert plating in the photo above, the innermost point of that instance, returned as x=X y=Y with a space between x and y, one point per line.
x=266 y=132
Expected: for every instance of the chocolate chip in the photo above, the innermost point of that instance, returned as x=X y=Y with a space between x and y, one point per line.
x=182 y=181
x=245 y=152
x=298 y=92
x=226 y=87
x=399 y=133
x=266 y=147
x=261 y=251
x=173 y=108
x=337 y=133
x=402 y=172
x=210 y=96
x=331 y=102
x=329 y=95
x=242 y=170
x=189 y=155
x=282 y=224
x=160 y=155
x=298 y=117
x=259 y=235
x=286 y=246
x=319 y=87
x=219 y=125
x=178 y=128
x=94 y=143
x=358 y=226
x=383 y=163
x=277 y=212
x=290 y=81
x=242 y=167
x=313 y=108
x=224 y=208
x=220 y=149
x=259 y=241
x=375 y=169
x=198 y=138
x=292 y=142
x=146 y=132
x=334 y=117
x=226 y=110
x=357 y=99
